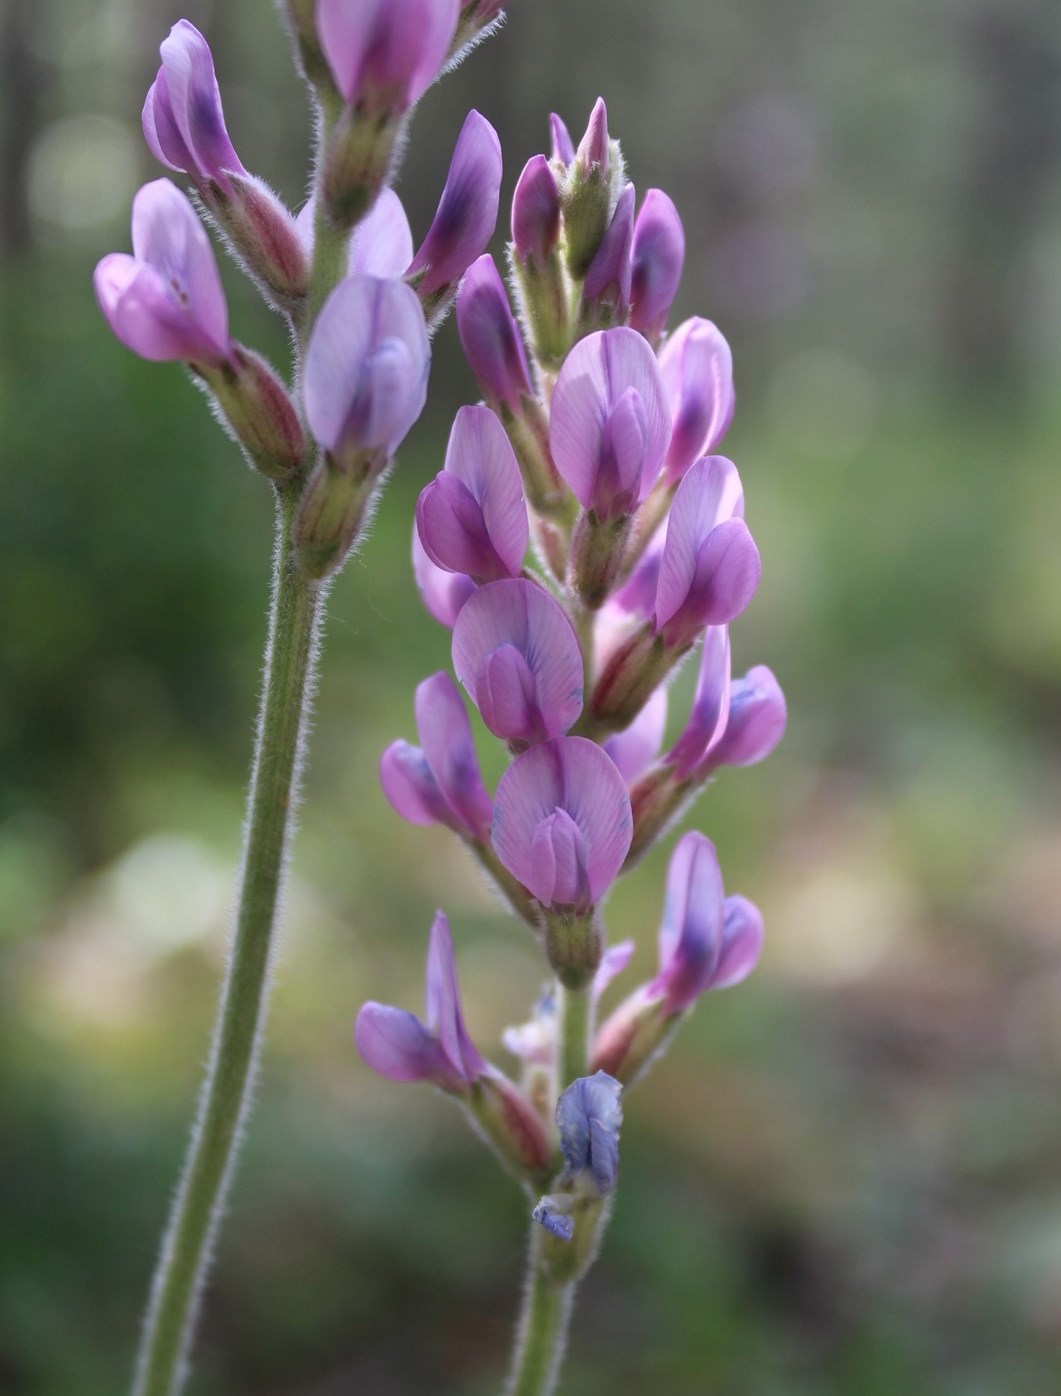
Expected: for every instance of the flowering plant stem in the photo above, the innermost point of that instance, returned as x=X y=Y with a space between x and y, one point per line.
x=286 y=694
x=548 y=1299
x=543 y=1323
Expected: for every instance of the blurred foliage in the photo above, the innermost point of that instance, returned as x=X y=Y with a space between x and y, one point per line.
x=846 y=1178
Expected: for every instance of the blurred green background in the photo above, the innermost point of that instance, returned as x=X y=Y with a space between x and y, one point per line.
x=846 y=1178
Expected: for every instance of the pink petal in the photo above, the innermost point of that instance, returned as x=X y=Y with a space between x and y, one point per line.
x=742 y=943
x=756 y=721
x=657 y=257
x=194 y=101
x=559 y=859
x=709 y=494
x=697 y=369
x=410 y=786
x=443 y=593
x=574 y=775
x=523 y=615
x=396 y=1044
x=382 y=243
x=480 y=455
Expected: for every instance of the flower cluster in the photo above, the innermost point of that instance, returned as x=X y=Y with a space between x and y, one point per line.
x=360 y=300
x=595 y=446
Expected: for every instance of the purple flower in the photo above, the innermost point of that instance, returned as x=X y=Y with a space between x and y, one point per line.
x=710 y=704
x=438 y=782
x=634 y=749
x=183 y=123
x=443 y=593
x=562 y=822
x=610 y=425
x=607 y=284
x=516 y=653
x=754 y=725
x=536 y=211
x=706 y=940
x=401 y=1047
x=472 y=517
x=466 y=213
x=697 y=369
x=710 y=565
x=490 y=337
x=563 y=147
x=366 y=367
x=588 y=1115
x=657 y=257
x=165 y=302
x=385 y=54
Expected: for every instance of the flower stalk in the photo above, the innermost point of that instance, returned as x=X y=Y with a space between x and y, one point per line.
x=286 y=696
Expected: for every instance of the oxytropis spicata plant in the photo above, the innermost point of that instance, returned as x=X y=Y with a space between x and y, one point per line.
x=596 y=444
x=361 y=306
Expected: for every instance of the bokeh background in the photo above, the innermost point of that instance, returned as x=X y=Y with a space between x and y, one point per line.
x=846 y=1178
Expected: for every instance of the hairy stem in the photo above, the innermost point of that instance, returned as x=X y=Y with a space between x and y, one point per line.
x=225 y=1098
x=574 y=1009
x=543 y=1324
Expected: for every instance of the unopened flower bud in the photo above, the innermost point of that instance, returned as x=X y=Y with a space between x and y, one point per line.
x=262 y=417
x=302 y=18
x=511 y=1125
x=587 y=194
x=490 y=336
x=478 y=18
x=606 y=289
x=465 y=218
x=536 y=212
x=657 y=257
x=385 y=54
x=265 y=237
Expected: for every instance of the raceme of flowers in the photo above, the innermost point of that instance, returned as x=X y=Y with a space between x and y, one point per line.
x=583 y=540
x=363 y=350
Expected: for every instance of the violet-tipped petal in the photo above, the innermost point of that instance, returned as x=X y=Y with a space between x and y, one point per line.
x=711 y=704
x=657 y=256
x=589 y=1114
x=384 y=54
x=550 y=1212
x=402 y=1048
x=606 y=290
x=754 y=725
x=710 y=565
x=490 y=337
x=443 y=593
x=183 y=122
x=706 y=941
x=467 y=211
x=366 y=366
x=472 y=518
x=609 y=424
x=165 y=302
x=536 y=211
x=518 y=656
x=575 y=776
x=697 y=370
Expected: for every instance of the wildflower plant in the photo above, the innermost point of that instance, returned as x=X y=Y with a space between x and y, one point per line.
x=361 y=304
x=582 y=541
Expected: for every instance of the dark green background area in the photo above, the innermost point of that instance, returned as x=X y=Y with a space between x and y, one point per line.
x=845 y=1179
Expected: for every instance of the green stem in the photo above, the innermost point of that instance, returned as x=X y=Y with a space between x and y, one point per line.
x=574 y=1007
x=542 y=1328
x=225 y=1098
